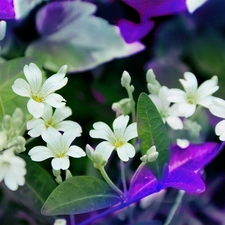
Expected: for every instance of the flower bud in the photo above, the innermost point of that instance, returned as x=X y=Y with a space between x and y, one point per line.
x=123 y=107
x=95 y=157
x=2 y=29
x=151 y=155
x=126 y=79
x=7 y=122
x=153 y=85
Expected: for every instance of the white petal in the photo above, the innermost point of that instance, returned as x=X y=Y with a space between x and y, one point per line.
x=61 y=113
x=89 y=151
x=47 y=114
x=120 y=124
x=131 y=132
x=60 y=163
x=10 y=182
x=206 y=101
x=54 y=83
x=220 y=127
x=36 y=109
x=67 y=138
x=217 y=107
x=36 y=127
x=55 y=100
x=2 y=29
x=192 y=5
x=21 y=87
x=104 y=149
x=40 y=153
x=190 y=83
x=174 y=122
x=186 y=109
x=102 y=131
x=176 y=95
x=69 y=125
x=34 y=76
x=126 y=151
x=207 y=88
x=76 y=152
x=53 y=139
x=163 y=93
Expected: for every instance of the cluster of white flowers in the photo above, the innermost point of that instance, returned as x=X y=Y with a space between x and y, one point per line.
x=175 y=105
x=51 y=125
x=11 y=143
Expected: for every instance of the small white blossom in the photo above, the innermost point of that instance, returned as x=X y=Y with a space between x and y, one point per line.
x=217 y=108
x=97 y=156
x=58 y=147
x=151 y=155
x=54 y=120
x=193 y=95
x=60 y=222
x=40 y=94
x=167 y=112
x=12 y=170
x=116 y=139
x=183 y=143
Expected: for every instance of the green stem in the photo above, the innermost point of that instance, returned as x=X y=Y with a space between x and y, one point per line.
x=130 y=95
x=175 y=206
x=2 y=106
x=123 y=177
x=109 y=181
x=24 y=125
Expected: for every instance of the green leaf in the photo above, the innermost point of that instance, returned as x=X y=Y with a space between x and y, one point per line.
x=39 y=184
x=152 y=131
x=80 y=194
x=9 y=72
x=77 y=37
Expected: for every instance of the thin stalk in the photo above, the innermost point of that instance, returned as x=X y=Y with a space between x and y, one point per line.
x=72 y=220
x=175 y=207
x=123 y=177
x=109 y=181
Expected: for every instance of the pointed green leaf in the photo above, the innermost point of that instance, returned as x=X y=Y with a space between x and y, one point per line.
x=152 y=131
x=79 y=195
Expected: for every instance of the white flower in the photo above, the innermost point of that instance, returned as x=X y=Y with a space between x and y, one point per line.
x=193 y=95
x=53 y=120
x=116 y=139
x=167 y=112
x=39 y=94
x=58 y=148
x=12 y=170
x=217 y=108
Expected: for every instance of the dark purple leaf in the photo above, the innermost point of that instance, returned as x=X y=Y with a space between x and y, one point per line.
x=183 y=171
x=132 y=32
x=152 y=8
x=7 y=9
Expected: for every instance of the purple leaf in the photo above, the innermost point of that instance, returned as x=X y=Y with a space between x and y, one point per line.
x=132 y=32
x=152 y=8
x=7 y=9
x=183 y=171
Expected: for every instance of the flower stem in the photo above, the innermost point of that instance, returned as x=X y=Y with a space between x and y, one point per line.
x=175 y=206
x=72 y=220
x=109 y=181
x=123 y=177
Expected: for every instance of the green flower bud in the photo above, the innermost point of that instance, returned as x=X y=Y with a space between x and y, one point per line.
x=126 y=79
x=151 y=155
x=153 y=85
x=123 y=107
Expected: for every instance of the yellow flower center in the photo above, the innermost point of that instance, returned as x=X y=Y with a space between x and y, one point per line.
x=118 y=143
x=37 y=97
